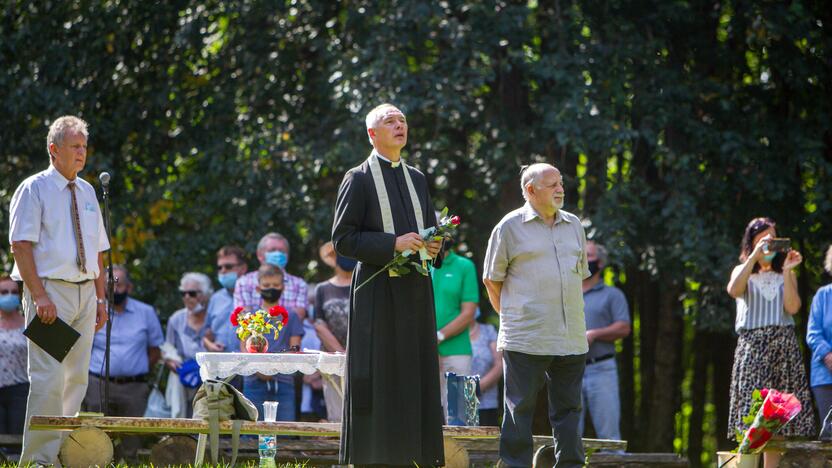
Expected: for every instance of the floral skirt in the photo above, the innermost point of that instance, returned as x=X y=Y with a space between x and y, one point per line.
x=769 y=357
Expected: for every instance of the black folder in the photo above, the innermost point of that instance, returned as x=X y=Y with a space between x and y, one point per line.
x=56 y=339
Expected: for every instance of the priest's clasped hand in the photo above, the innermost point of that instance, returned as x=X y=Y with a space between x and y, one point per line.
x=434 y=246
x=411 y=241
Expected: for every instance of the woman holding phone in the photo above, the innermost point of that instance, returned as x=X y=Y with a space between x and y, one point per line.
x=767 y=354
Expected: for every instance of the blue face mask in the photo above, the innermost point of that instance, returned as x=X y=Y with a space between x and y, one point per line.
x=770 y=257
x=9 y=302
x=228 y=280
x=277 y=258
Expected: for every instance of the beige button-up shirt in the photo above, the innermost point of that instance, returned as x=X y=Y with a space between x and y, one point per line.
x=541 y=268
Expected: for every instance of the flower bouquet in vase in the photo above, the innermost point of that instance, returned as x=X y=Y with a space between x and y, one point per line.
x=770 y=411
x=252 y=327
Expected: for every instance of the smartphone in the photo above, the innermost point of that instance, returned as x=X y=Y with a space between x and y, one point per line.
x=779 y=244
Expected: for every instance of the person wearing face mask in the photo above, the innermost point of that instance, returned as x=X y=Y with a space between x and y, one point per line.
x=767 y=355
x=187 y=327
x=281 y=387
x=607 y=320
x=332 y=306
x=14 y=383
x=273 y=249
x=134 y=348
x=221 y=335
x=456 y=294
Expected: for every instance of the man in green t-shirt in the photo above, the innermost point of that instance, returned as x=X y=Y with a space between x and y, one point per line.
x=456 y=295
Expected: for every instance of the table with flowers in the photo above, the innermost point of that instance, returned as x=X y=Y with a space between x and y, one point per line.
x=222 y=365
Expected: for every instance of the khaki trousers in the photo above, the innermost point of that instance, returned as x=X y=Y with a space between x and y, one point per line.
x=58 y=388
x=333 y=399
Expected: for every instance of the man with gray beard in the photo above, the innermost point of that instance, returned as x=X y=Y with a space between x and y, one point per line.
x=533 y=269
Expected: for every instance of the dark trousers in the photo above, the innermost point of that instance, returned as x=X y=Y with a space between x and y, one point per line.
x=126 y=399
x=525 y=375
x=13 y=408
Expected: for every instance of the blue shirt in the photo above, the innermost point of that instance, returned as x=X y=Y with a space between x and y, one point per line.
x=819 y=335
x=293 y=327
x=604 y=305
x=219 y=320
x=185 y=339
x=133 y=331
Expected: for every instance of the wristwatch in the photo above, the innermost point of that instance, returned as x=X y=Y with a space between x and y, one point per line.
x=101 y=301
x=440 y=337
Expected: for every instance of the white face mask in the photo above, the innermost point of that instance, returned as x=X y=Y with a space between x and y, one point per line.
x=199 y=308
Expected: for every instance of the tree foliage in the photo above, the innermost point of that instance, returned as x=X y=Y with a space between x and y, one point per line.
x=673 y=123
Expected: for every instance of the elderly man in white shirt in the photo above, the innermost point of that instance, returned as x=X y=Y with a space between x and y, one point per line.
x=534 y=266
x=57 y=236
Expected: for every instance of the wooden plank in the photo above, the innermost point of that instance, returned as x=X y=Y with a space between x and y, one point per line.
x=807 y=445
x=180 y=426
x=490 y=445
x=472 y=438
x=11 y=439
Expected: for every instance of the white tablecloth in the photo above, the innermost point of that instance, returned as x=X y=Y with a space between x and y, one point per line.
x=222 y=365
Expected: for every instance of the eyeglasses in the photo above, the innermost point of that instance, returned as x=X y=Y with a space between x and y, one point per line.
x=227 y=266
x=190 y=293
x=4 y=292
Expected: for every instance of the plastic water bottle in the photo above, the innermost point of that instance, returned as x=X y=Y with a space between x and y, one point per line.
x=267 y=445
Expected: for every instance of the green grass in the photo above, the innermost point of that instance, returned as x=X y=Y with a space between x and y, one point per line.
x=247 y=465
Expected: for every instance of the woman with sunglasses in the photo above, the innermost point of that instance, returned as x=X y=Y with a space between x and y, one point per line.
x=187 y=326
x=767 y=354
x=14 y=383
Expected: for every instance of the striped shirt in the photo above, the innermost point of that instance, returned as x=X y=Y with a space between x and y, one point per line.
x=761 y=305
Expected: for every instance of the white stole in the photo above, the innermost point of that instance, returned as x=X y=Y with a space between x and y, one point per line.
x=384 y=198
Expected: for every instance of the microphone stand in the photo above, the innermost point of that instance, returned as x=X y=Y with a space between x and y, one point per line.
x=105 y=188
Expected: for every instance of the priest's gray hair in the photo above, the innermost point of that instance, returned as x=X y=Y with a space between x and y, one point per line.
x=201 y=279
x=530 y=174
x=61 y=127
x=827 y=264
x=375 y=115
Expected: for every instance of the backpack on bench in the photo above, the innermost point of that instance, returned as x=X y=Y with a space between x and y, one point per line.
x=215 y=401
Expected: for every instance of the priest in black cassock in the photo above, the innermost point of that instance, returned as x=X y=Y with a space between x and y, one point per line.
x=392 y=410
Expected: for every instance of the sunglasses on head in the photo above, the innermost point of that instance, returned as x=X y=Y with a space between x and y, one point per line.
x=190 y=293
x=4 y=292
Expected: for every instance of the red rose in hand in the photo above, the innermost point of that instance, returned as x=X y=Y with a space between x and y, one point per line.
x=282 y=312
x=455 y=220
x=764 y=393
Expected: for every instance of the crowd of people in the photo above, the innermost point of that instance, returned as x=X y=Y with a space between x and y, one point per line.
x=558 y=319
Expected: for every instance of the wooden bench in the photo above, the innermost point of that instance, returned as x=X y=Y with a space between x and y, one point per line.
x=459 y=440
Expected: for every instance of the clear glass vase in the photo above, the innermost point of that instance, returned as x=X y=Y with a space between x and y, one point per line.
x=257 y=343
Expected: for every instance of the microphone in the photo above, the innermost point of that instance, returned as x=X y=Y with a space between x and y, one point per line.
x=104 y=178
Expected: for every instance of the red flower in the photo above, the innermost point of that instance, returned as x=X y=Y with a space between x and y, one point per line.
x=758 y=437
x=282 y=312
x=455 y=220
x=764 y=393
x=234 y=315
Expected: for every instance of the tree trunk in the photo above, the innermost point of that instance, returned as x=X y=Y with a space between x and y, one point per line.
x=663 y=391
x=722 y=360
x=698 y=389
x=648 y=312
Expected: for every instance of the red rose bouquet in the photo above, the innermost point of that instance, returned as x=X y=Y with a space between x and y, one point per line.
x=770 y=411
